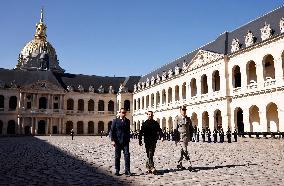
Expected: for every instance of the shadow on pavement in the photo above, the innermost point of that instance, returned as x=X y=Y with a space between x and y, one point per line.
x=32 y=161
x=196 y=169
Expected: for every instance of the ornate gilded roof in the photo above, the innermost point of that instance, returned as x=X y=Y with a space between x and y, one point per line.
x=38 y=54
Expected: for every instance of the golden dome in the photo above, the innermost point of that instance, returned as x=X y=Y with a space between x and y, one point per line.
x=30 y=57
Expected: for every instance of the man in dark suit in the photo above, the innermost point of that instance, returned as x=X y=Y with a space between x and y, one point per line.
x=120 y=138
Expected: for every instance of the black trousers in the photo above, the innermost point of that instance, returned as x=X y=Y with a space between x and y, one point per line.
x=150 y=150
x=125 y=149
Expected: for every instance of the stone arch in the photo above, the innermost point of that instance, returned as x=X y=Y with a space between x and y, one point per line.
x=70 y=104
x=127 y=105
x=80 y=127
x=268 y=67
x=239 y=119
x=177 y=93
x=193 y=87
x=11 y=128
x=81 y=105
x=42 y=103
x=251 y=72
x=143 y=102
x=69 y=126
x=164 y=123
x=272 y=117
x=41 y=127
x=13 y=103
x=147 y=101
x=110 y=106
x=204 y=84
x=254 y=119
x=170 y=95
x=2 y=103
x=163 y=96
x=101 y=126
x=170 y=122
x=215 y=81
x=101 y=105
x=217 y=119
x=237 y=77
x=205 y=120
x=109 y=126
x=194 y=119
x=91 y=127
x=183 y=89
x=91 y=105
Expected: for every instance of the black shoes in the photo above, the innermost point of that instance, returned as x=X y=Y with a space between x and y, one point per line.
x=128 y=173
x=117 y=173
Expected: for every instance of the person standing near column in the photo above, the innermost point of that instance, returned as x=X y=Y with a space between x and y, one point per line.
x=183 y=129
x=151 y=131
x=72 y=133
x=120 y=138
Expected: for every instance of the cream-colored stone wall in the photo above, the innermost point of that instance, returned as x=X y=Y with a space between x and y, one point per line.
x=221 y=107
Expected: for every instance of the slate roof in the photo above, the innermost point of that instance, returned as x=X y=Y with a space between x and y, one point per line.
x=22 y=78
x=223 y=43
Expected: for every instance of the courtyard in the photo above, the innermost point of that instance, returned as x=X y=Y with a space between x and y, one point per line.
x=89 y=160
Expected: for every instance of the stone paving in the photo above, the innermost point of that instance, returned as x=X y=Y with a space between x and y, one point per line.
x=89 y=160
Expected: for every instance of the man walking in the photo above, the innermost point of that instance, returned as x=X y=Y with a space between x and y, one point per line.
x=183 y=129
x=151 y=131
x=120 y=138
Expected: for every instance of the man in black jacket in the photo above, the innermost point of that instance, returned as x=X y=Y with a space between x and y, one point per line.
x=151 y=131
x=120 y=138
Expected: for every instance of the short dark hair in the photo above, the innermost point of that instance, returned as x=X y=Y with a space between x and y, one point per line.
x=150 y=111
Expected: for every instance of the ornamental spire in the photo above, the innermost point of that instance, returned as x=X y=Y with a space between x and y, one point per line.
x=41 y=15
x=40 y=28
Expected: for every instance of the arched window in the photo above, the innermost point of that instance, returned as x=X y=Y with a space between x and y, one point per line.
x=11 y=129
x=13 y=103
x=170 y=95
x=70 y=104
x=91 y=105
x=251 y=72
x=1 y=103
x=101 y=105
x=268 y=67
x=110 y=106
x=29 y=101
x=204 y=85
x=193 y=87
x=42 y=103
x=216 y=81
x=80 y=127
x=237 y=77
x=91 y=127
x=101 y=127
x=1 y=127
x=127 y=105
x=69 y=126
x=80 y=105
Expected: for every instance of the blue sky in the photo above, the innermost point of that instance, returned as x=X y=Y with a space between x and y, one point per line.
x=122 y=37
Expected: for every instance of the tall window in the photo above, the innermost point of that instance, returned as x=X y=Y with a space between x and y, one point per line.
x=42 y=103
x=13 y=103
x=1 y=102
x=80 y=105
x=70 y=104
x=237 y=78
x=127 y=105
x=91 y=105
x=110 y=106
x=101 y=105
x=29 y=101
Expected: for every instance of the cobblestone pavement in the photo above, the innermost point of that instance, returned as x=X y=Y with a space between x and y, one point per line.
x=89 y=160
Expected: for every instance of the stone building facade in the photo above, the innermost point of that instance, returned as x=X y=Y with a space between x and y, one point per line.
x=39 y=98
x=236 y=81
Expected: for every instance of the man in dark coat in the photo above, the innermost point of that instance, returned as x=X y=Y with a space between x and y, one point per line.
x=151 y=131
x=229 y=135
x=120 y=138
x=235 y=135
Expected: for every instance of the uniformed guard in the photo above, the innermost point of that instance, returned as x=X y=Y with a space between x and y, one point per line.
x=183 y=129
x=209 y=135
x=197 y=134
x=229 y=135
x=72 y=133
x=235 y=135
x=215 y=135
x=221 y=135
x=203 y=135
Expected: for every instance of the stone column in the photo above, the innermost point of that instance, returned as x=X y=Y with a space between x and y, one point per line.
x=259 y=73
x=161 y=97
x=243 y=71
x=278 y=70
x=246 y=119
x=211 y=120
x=33 y=126
x=155 y=101
x=198 y=86
x=167 y=96
x=180 y=93
x=23 y=126
x=188 y=91
x=199 y=118
x=281 y=117
x=263 y=119
x=36 y=126
x=18 y=126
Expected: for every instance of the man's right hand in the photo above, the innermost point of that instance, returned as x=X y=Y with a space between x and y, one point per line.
x=113 y=143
